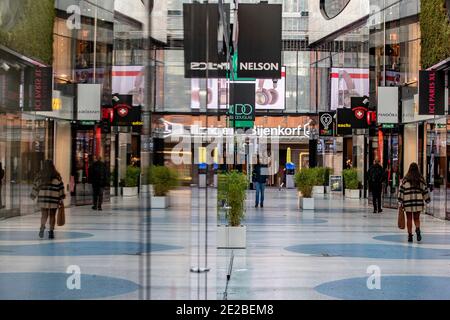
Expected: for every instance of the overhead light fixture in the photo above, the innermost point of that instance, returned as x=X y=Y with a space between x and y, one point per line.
x=5 y=66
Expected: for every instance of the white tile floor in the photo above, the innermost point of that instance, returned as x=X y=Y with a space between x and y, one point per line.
x=265 y=270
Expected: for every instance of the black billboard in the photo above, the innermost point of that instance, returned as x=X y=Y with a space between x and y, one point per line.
x=344 y=121
x=326 y=123
x=431 y=92
x=360 y=110
x=197 y=18
x=125 y=114
x=242 y=102
x=259 y=41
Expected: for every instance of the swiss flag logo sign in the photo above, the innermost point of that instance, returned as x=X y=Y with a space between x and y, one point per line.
x=122 y=111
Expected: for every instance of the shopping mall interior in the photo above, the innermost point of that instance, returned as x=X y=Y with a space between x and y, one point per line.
x=224 y=150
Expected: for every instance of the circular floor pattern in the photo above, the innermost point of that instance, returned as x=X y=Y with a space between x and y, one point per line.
x=391 y=288
x=376 y=251
x=84 y=248
x=13 y=235
x=53 y=286
x=430 y=238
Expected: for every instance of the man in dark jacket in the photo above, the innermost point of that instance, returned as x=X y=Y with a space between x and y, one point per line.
x=259 y=177
x=376 y=177
x=99 y=178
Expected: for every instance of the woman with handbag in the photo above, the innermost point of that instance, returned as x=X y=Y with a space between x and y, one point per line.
x=412 y=196
x=49 y=190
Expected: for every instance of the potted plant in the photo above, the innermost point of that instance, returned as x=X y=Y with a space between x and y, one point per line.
x=113 y=179
x=232 y=193
x=305 y=180
x=319 y=186
x=351 y=183
x=163 y=179
x=131 y=181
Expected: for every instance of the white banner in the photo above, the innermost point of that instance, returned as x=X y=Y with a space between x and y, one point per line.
x=387 y=106
x=89 y=102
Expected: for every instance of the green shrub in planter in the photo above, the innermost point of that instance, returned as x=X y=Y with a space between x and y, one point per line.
x=305 y=180
x=320 y=176
x=351 y=179
x=163 y=179
x=232 y=189
x=132 y=177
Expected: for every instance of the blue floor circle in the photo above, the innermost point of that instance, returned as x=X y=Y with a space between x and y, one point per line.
x=376 y=251
x=12 y=235
x=53 y=286
x=391 y=288
x=432 y=238
x=83 y=248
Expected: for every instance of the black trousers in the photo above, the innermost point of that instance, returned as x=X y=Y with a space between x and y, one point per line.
x=376 y=194
x=98 y=196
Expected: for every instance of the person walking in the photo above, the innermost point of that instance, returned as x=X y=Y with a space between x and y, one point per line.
x=412 y=196
x=99 y=178
x=376 y=177
x=259 y=177
x=48 y=188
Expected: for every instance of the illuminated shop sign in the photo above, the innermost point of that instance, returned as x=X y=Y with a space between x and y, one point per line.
x=326 y=123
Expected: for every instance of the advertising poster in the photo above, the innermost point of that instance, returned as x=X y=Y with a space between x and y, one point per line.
x=269 y=93
x=347 y=83
x=336 y=184
x=129 y=80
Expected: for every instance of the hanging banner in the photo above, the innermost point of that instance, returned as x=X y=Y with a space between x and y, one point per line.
x=242 y=104
x=125 y=114
x=360 y=109
x=431 y=92
x=201 y=49
x=89 y=102
x=344 y=122
x=42 y=89
x=387 y=105
x=326 y=123
x=259 y=41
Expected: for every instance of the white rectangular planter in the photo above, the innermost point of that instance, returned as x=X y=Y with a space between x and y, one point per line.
x=130 y=192
x=159 y=202
x=112 y=191
x=352 y=193
x=318 y=190
x=306 y=203
x=231 y=237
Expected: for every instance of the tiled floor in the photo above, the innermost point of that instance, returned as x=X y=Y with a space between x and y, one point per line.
x=131 y=252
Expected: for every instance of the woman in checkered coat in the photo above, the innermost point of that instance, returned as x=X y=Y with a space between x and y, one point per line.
x=49 y=190
x=412 y=196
